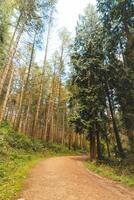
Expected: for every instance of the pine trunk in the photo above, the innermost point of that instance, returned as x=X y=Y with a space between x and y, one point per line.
x=117 y=136
x=6 y=97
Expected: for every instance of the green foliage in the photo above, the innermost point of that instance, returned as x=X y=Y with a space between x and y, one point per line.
x=57 y=147
x=103 y=76
x=11 y=142
x=119 y=170
x=21 y=141
x=18 y=153
x=118 y=28
x=6 y=11
x=17 y=156
x=89 y=94
x=13 y=172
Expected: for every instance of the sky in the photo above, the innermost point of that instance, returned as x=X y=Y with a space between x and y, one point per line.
x=66 y=16
x=68 y=12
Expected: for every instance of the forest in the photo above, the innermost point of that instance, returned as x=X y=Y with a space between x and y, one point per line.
x=79 y=96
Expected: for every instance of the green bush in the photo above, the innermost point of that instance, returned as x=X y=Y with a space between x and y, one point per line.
x=18 y=141
x=4 y=130
x=21 y=141
x=37 y=145
x=4 y=148
x=57 y=148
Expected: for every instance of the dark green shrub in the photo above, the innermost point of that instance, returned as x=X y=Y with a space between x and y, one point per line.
x=57 y=148
x=19 y=141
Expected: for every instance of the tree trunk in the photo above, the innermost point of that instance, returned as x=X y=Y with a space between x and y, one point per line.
x=24 y=86
x=10 y=58
x=107 y=144
x=7 y=96
x=63 y=129
x=99 y=151
x=117 y=136
x=42 y=78
x=27 y=116
x=92 y=147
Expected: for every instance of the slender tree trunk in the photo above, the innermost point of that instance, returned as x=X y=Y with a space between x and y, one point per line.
x=50 y=111
x=38 y=110
x=81 y=141
x=10 y=58
x=69 y=140
x=76 y=141
x=52 y=129
x=27 y=116
x=58 y=109
x=14 y=33
x=99 y=151
x=42 y=79
x=63 y=129
x=25 y=84
x=47 y=120
x=107 y=144
x=7 y=96
x=92 y=146
x=118 y=140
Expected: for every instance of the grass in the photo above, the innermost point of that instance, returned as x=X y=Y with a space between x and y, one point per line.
x=13 y=174
x=121 y=171
x=18 y=154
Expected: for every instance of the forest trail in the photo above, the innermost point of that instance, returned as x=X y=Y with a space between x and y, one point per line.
x=66 y=178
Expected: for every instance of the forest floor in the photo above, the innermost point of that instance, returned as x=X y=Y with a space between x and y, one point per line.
x=67 y=178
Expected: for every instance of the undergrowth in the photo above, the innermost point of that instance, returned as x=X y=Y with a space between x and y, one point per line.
x=18 y=154
x=118 y=170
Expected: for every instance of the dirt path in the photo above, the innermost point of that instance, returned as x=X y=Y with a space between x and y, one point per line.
x=66 y=178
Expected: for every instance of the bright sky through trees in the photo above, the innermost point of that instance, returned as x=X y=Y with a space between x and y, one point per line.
x=67 y=16
x=68 y=11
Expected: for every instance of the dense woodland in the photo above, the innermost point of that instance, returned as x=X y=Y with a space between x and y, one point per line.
x=94 y=103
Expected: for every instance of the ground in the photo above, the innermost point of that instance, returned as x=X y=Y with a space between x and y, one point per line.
x=66 y=178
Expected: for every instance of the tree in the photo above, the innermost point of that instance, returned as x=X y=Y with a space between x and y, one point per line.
x=118 y=23
x=92 y=77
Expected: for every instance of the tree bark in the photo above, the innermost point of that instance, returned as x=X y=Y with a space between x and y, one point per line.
x=12 y=52
x=42 y=78
x=25 y=84
x=99 y=151
x=117 y=136
x=92 y=146
x=7 y=96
